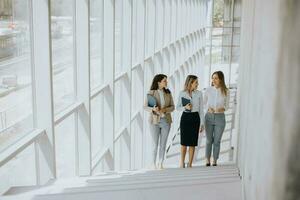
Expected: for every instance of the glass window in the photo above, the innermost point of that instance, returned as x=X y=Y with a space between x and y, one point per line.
x=96 y=42
x=12 y=173
x=223 y=40
x=135 y=31
x=62 y=33
x=65 y=141
x=16 y=117
x=97 y=132
x=118 y=36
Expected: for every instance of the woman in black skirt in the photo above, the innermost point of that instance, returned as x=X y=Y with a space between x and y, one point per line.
x=190 y=101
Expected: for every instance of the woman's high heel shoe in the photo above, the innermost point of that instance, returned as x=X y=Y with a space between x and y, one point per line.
x=207 y=164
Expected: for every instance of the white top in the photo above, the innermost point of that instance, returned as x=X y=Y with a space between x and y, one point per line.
x=196 y=101
x=162 y=98
x=213 y=98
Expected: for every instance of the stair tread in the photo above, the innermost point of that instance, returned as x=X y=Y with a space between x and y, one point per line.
x=137 y=179
x=216 y=191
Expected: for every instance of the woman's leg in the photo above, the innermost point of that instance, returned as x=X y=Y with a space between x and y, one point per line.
x=165 y=129
x=218 y=132
x=191 y=155
x=209 y=131
x=183 y=152
x=154 y=129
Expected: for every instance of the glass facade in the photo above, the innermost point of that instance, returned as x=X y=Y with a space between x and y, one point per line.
x=223 y=39
x=63 y=46
x=16 y=97
x=102 y=56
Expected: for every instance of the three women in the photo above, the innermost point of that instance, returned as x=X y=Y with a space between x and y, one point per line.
x=192 y=122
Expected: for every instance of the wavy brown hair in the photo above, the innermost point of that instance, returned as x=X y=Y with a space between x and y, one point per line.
x=158 y=78
x=220 y=75
x=189 y=81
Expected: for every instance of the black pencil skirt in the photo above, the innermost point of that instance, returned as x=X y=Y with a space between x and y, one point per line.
x=189 y=128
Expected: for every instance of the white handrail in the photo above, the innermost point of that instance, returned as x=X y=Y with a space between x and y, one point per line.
x=10 y=152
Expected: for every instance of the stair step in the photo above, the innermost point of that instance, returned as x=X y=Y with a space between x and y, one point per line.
x=135 y=180
x=175 y=170
x=162 y=180
x=160 y=176
x=214 y=191
x=22 y=189
x=168 y=172
x=139 y=185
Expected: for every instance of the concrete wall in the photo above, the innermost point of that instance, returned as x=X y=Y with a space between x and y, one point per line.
x=269 y=97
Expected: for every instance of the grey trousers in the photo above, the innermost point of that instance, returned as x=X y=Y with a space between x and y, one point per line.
x=214 y=128
x=160 y=133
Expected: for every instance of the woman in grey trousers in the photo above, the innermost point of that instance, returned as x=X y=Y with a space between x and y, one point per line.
x=216 y=101
x=160 y=117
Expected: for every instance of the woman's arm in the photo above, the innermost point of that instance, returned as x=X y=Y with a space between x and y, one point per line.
x=205 y=100
x=227 y=99
x=226 y=103
x=171 y=107
x=179 y=106
x=201 y=109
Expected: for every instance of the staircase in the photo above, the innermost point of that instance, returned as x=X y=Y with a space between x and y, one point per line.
x=213 y=183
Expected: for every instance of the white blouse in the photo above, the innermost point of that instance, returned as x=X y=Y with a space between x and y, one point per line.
x=213 y=98
x=162 y=98
x=196 y=101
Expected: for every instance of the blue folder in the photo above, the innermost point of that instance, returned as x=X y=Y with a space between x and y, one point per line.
x=151 y=100
x=185 y=101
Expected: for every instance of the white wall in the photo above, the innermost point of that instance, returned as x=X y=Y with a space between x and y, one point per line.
x=269 y=99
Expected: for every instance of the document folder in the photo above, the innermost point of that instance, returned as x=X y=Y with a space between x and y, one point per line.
x=151 y=100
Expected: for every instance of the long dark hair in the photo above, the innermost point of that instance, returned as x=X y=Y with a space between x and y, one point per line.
x=220 y=75
x=158 y=78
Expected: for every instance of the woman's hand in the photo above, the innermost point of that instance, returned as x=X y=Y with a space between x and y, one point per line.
x=221 y=110
x=211 y=110
x=201 y=129
x=162 y=111
x=188 y=106
x=155 y=109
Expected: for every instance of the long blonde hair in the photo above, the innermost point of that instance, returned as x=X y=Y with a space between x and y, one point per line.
x=220 y=75
x=189 y=81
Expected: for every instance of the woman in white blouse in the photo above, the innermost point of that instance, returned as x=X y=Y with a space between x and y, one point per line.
x=192 y=118
x=216 y=101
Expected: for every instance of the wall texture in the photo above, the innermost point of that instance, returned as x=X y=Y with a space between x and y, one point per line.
x=269 y=96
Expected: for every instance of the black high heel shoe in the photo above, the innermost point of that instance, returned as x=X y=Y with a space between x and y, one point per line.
x=214 y=164
x=207 y=164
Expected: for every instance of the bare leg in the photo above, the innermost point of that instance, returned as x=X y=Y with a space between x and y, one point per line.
x=183 y=152
x=191 y=155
